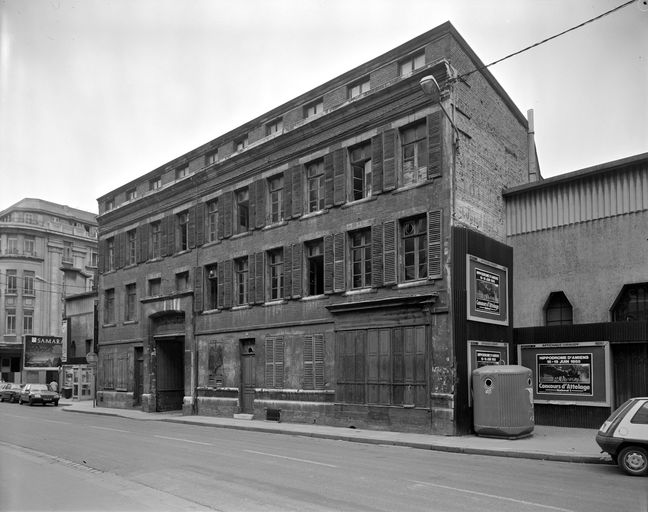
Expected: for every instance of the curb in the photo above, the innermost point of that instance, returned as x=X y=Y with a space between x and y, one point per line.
x=556 y=457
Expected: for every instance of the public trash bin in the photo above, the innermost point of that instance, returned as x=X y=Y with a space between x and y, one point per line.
x=66 y=392
x=502 y=401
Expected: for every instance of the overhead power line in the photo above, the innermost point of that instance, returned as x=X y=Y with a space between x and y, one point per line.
x=548 y=39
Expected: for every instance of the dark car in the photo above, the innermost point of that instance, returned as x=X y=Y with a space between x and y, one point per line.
x=38 y=394
x=10 y=391
x=624 y=435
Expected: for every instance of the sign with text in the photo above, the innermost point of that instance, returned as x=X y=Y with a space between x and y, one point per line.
x=43 y=352
x=487 y=291
x=485 y=353
x=569 y=373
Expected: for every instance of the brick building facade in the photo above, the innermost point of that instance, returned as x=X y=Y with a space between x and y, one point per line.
x=304 y=266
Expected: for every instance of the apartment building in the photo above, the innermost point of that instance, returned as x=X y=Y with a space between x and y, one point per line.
x=47 y=251
x=326 y=262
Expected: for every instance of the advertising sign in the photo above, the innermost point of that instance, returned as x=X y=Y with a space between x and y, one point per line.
x=569 y=373
x=485 y=353
x=487 y=291
x=486 y=358
x=43 y=352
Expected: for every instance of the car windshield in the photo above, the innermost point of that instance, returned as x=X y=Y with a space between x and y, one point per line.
x=38 y=387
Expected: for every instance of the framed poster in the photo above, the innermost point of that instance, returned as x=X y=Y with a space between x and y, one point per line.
x=43 y=352
x=569 y=373
x=485 y=353
x=486 y=291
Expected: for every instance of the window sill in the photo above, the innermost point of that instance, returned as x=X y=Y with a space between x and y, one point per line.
x=210 y=311
x=109 y=325
x=359 y=291
x=314 y=297
x=310 y=215
x=130 y=322
x=211 y=243
x=275 y=225
x=406 y=188
x=359 y=201
x=412 y=284
x=277 y=302
x=151 y=260
x=239 y=308
x=180 y=253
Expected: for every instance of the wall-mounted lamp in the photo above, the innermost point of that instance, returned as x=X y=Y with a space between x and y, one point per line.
x=430 y=87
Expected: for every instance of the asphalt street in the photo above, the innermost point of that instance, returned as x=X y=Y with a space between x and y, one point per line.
x=142 y=465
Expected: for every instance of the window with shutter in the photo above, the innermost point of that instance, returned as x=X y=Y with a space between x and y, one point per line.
x=435 y=244
x=274 y=363
x=377 y=164
x=389 y=253
x=414 y=248
x=315 y=186
x=314 y=361
x=241 y=276
x=275 y=274
x=377 y=255
x=259 y=284
x=361 y=169
x=389 y=160
x=435 y=145
x=329 y=264
x=339 y=263
x=360 y=252
x=275 y=201
x=297 y=276
x=198 y=289
x=315 y=266
x=414 y=154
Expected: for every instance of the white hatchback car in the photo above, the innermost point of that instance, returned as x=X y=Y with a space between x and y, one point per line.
x=624 y=435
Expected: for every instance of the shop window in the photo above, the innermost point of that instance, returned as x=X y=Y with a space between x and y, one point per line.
x=558 y=310
x=631 y=304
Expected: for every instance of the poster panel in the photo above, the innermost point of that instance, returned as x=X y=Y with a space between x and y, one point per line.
x=569 y=373
x=484 y=353
x=487 y=291
x=43 y=352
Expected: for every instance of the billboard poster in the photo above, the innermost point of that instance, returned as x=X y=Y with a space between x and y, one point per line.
x=43 y=351
x=570 y=373
x=486 y=291
x=486 y=358
x=566 y=374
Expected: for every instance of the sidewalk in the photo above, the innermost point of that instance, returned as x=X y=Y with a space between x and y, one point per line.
x=546 y=443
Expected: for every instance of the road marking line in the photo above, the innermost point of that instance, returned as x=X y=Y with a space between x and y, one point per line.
x=504 y=498
x=183 y=440
x=291 y=458
x=112 y=429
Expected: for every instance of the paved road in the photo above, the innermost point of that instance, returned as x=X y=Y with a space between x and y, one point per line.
x=230 y=470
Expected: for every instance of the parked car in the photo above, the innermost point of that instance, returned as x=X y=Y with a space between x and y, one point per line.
x=10 y=391
x=624 y=435
x=38 y=394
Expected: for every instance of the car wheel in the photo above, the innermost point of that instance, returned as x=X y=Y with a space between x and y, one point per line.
x=634 y=460
x=20 y=402
x=1 y=399
x=30 y=402
x=56 y=404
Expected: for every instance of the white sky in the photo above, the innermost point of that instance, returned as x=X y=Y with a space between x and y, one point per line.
x=94 y=93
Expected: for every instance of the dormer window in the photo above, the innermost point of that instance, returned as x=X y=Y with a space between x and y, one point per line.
x=314 y=108
x=211 y=157
x=241 y=143
x=275 y=126
x=181 y=172
x=358 y=88
x=155 y=183
x=109 y=204
x=131 y=194
x=411 y=63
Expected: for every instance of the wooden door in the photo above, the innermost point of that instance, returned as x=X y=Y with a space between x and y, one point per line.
x=248 y=381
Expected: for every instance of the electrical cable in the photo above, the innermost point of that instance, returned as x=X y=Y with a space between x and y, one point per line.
x=464 y=75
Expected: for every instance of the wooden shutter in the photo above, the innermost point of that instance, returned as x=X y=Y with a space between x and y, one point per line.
x=121 y=249
x=259 y=277
x=225 y=284
x=198 y=289
x=143 y=248
x=435 y=244
x=191 y=237
x=297 y=189
x=309 y=367
x=297 y=262
x=260 y=200
x=328 y=181
x=376 y=255
x=339 y=260
x=435 y=145
x=389 y=160
x=329 y=260
x=314 y=361
x=274 y=365
x=377 y=164
x=171 y=229
x=287 y=272
x=390 y=256
x=163 y=237
x=103 y=248
x=339 y=176
x=200 y=224
x=287 y=193
x=225 y=222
